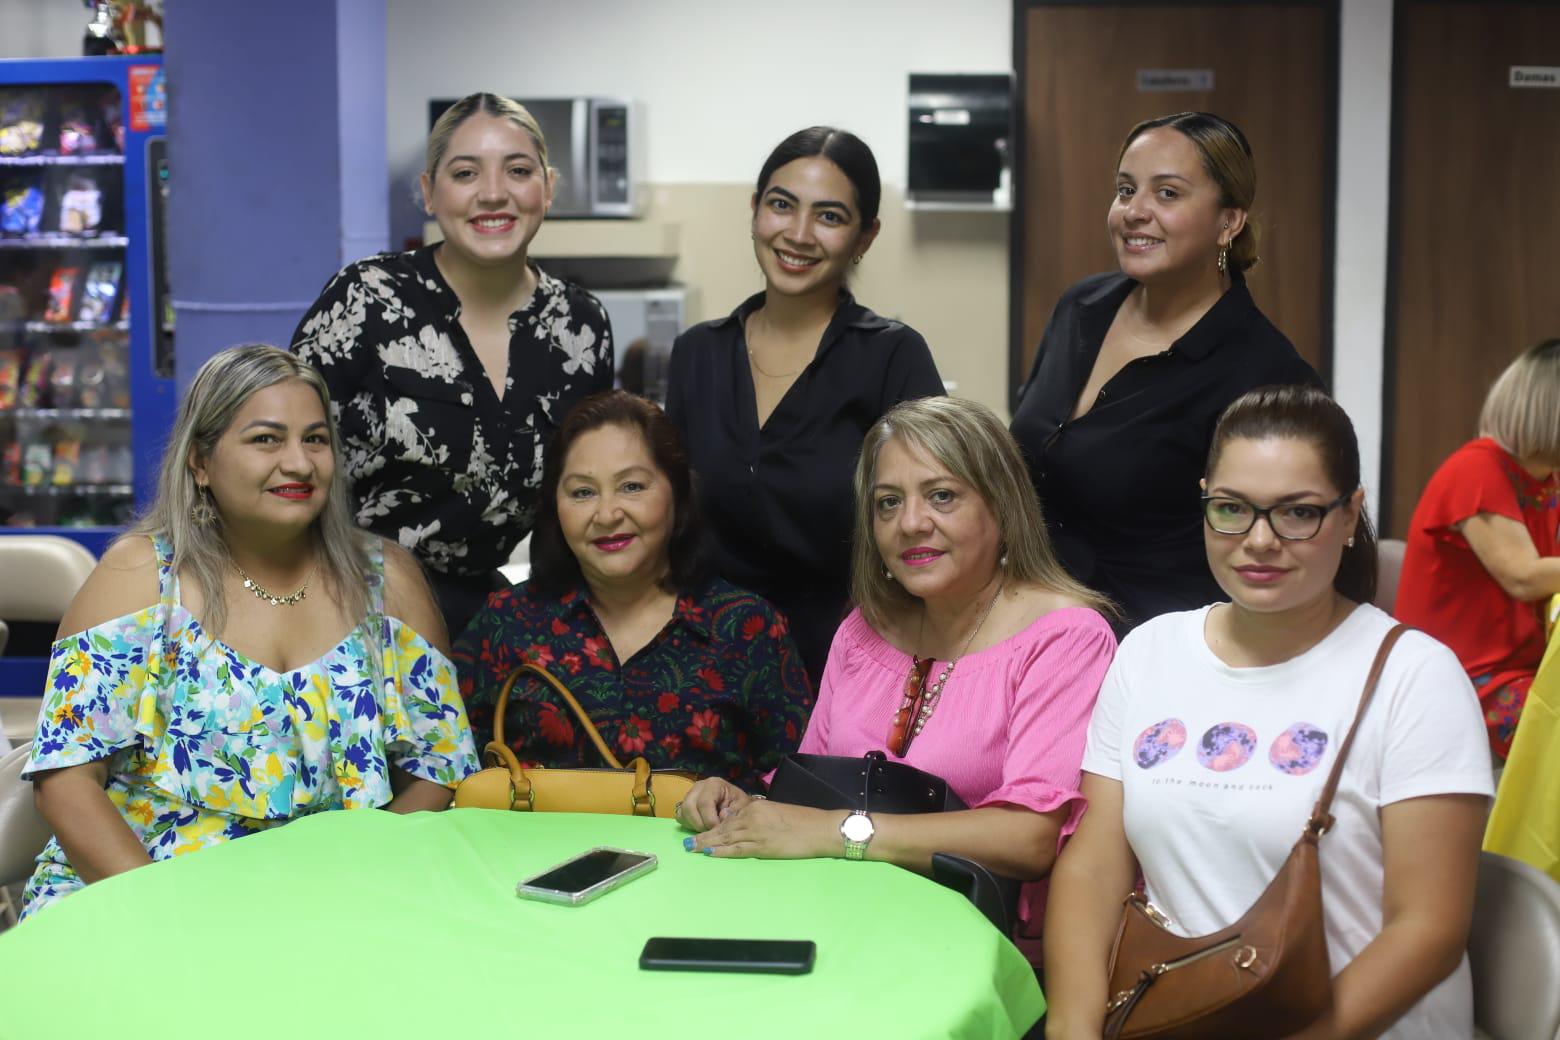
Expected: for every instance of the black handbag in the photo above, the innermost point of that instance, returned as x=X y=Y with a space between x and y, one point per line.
x=872 y=783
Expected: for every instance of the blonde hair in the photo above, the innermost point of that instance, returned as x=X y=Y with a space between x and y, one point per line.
x=219 y=390
x=1522 y=410
x=978 y=450
x=488 y=104
x=1226 y=157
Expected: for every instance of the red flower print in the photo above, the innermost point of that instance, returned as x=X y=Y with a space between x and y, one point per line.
x=572 y=662
x=633 y=735
x=596 y=650
x=556 y=727
x=777 y=630
x=538 y=654
x=752 y=627
x=790 y=731
x=667 y=703
x=559 y=628
x=712 y=679
x=706 y=725
x=672 y=745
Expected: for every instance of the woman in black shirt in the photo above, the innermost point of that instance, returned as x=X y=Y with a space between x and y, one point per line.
x=450 y=366
x=774 y=399
x=1135 y=368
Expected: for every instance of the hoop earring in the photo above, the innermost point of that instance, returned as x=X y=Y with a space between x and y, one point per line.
x=203 y=513
x=856 y=259
x=888 y=574
x=1349 y=544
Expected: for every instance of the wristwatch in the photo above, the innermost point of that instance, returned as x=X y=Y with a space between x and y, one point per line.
x=857 y=830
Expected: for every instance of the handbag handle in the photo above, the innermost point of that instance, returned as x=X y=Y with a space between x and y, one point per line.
x=561 y=690
x=1321 y=820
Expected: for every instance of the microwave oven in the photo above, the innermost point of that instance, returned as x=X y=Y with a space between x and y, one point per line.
x=596 y=146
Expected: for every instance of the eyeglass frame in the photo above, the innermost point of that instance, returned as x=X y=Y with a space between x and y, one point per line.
x=1266 y=513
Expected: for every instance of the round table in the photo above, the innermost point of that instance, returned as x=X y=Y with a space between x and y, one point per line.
x=371 y=924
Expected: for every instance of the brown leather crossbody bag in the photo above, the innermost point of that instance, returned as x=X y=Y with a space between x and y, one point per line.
x=1264 y=976
x=634 y=789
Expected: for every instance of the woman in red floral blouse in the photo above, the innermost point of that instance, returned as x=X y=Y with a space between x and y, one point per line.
x=672 y=664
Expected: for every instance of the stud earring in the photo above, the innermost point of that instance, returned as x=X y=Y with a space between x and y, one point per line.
x=1349 y=544
x=203 y=513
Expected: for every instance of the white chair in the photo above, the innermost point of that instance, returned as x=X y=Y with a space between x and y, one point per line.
x=1389 y=571
x=43 y=573
x=23 y=832
x=1514 y=951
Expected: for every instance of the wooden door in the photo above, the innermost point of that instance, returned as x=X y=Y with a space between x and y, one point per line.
x=1273 y=76
x=1475 y=276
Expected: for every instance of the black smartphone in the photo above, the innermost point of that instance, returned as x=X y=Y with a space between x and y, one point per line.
x=766 y=956
x=586 y=876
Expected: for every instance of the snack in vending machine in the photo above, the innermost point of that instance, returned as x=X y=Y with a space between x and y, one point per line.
x=21 y=123
x=62 y=381
x=11 y=464
x=77 y=136
x=81 y=206
x=100 y=292
x=37 y=461
x=67 y=457
x=21 y=210
x=62 y=291
x=35 y=384
x=10 y=377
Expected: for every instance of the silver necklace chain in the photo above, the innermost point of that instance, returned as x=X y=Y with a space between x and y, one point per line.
x=934 y=692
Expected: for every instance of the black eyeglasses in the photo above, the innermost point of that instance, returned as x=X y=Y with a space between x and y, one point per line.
x=1291 y=521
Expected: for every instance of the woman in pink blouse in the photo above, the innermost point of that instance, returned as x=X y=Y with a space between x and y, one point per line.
x=959 y=598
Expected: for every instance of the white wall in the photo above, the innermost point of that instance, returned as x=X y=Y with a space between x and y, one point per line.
x=722 y=80
x=42 y=28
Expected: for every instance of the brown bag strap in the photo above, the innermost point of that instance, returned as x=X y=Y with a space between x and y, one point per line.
x=1321 y=820
x=562 y=691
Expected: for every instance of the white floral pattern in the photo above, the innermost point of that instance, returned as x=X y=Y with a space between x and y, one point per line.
x=438 y=462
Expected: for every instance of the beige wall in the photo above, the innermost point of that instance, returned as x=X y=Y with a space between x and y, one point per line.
x=944 y=274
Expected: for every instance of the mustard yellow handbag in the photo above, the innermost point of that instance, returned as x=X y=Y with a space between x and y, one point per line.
x=634 y=789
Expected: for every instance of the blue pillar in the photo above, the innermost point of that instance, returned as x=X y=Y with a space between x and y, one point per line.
x=277 y=161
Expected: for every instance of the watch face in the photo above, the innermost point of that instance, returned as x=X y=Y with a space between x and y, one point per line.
x=857 y=828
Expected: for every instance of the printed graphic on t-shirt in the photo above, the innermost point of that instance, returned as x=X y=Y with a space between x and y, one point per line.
x=1159 y=743
x=1227 y=746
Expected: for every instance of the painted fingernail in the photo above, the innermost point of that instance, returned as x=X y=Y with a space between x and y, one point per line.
x=708 y=850
x=688 y=843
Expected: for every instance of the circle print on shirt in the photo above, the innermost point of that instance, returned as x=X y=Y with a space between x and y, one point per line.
x=1298 y=749
x=1227 y=746
x=1159 y=743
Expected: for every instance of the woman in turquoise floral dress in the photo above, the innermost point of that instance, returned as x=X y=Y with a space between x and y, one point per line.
x=245 y=655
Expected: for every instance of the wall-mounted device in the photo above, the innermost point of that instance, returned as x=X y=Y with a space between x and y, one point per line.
x=596 y=146
x=960 y=128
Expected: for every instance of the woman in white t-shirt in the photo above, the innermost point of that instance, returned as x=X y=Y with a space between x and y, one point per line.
x=1216 y=729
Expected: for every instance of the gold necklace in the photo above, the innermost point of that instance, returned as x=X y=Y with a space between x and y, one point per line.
x=276 y=601
x=753 y=358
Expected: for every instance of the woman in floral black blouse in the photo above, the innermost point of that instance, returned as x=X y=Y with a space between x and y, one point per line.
x=687 y=670
x=450 y=366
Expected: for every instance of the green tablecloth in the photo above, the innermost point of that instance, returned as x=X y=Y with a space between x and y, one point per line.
x=370 y=924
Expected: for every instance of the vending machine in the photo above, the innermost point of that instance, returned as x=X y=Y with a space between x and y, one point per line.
x=86 y=350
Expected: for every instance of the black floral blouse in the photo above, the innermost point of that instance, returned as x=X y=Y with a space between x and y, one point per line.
x=720 y=691
x=438 y=462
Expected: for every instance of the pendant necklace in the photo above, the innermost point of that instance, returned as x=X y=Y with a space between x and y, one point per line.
x=276 y=601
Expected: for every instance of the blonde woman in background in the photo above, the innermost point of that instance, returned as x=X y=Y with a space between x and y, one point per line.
x=1483 y=554
x=971 y=655
x=451 y=366
x=243 y=656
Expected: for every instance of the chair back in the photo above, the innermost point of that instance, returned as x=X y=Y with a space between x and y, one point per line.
x=1514 y=951
x=1389 y=571
x=23 y=832
x=43 y=573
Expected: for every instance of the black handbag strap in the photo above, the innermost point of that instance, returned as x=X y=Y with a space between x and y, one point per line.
x=1321 y=820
